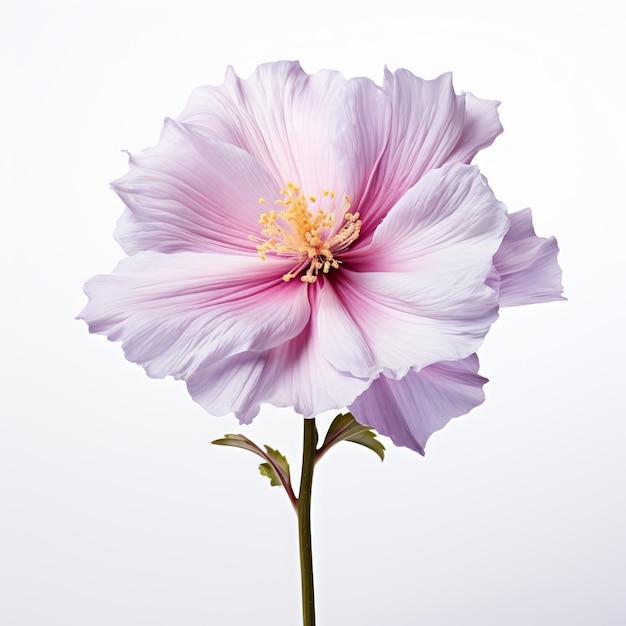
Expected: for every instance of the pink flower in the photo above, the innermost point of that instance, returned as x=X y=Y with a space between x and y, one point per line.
x=316 y=242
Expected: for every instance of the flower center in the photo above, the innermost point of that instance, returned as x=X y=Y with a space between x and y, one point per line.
x=307 y=233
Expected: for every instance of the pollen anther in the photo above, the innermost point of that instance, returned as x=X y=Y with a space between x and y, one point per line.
x=308 y=235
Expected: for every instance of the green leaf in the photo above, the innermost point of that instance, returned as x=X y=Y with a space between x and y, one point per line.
x=345 y=428
x=276 y=466
x=267 y=470
x=280 y=462
x=239 y=441
x=367 y=438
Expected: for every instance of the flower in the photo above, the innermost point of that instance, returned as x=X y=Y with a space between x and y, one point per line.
x=315 y=242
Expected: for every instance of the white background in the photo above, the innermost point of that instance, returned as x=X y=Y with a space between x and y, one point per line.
x=115 y=507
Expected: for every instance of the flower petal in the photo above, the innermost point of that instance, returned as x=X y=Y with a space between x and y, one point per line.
x=293 y=374
x=410 y=410
x=417 y=294
x=426 y=121
x=359 y=134
x=191 y=193
x=527 y=265
x=174 y=312
x=482 y=126
x=450 y=216
x=237 y=384
x=281 y=115
x=423 y=125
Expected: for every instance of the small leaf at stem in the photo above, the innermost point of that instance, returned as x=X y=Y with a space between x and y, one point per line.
x=239 y=441
x=267 y=470
x=368 y=439
x=345 y=428
x=276 y=467
x=280 y=461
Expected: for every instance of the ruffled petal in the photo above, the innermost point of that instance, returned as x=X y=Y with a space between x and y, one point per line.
x=527 y=264
x=359 y=134
x=417 y=294
x=393 y=135
x=293 y=374
x=281 y=115
x=191 y=193
x=426 y=121
x=482 y=126
x=175 y=312
x=236 y=385
x=410 y=410
x=450 y=216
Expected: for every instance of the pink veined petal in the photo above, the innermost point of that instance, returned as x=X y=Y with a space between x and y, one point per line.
x=281 y=115
x=417 y=294
x=236 y=385
x=448 y=217
x=527 y=264
x=387 y=138
x=191 y=193
x=175 y=312
x=410 y=410
x=359 y=134
x=293 y=374
x=482 y=126
x=426 y=121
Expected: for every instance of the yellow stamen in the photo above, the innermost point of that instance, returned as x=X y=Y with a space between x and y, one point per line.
x=306 y=234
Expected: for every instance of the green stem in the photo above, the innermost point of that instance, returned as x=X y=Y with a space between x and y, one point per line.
x=304 y=522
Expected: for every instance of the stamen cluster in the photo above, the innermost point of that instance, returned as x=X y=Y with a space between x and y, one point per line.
x=306 y=233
